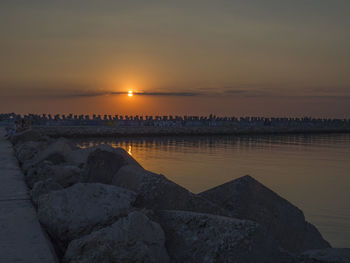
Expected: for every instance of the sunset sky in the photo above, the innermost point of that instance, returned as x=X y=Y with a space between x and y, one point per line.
x=261 y=58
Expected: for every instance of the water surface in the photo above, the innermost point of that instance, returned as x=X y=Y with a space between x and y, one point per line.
x=311 y=171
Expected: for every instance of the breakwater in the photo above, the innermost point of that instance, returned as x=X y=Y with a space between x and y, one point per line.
x=107 y=125
x=105 y=131
x=100 y=205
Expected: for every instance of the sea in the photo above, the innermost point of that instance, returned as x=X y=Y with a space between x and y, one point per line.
x=310 y=171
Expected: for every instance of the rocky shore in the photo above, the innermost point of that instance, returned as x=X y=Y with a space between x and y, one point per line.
x=100 y=205
x=119 y=131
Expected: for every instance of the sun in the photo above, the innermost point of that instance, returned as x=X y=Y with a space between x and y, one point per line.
x=130 y=94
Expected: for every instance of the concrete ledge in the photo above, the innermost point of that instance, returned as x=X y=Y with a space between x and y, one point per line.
x=21 y=237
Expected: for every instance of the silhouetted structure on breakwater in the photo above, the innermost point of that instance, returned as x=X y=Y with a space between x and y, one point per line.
x=175 y=121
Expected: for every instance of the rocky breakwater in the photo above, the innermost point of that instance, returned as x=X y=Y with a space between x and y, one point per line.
x=99 y=205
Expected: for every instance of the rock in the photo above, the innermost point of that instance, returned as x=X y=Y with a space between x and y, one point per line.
x=156 y=192
x=41 y=172
x=328 y=255
x=75 y=211
x=80 y=156
x=246 y=198
x=196 y=237
x=101 y=166
x=27 y=150
x=134 y=238
x=56 y=153
x=26 y=136
x=64 y=174
x=43 y=187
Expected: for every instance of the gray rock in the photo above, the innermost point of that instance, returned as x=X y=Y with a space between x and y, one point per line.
x=43 y=187
x=204 y=238
x=246 y=198
x=80 y=156
x=101 y=166
x=40 y=172
x=134 y=238
x=157 y=192
x=56 y=153
x=64 y=174
x=328 y=255
x=27 y=150
x=75 y=211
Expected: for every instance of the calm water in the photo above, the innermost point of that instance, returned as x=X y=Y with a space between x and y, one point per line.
x=311 y=171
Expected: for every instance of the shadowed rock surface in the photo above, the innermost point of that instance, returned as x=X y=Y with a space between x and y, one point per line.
x=101 y=166
x=195 y=237
x=157 y=192
x=56 y=153
x=43 y=187
x=75 y=211
x=27 y=150
x=64 y=174
x=80 y=157
x=246 y=198
x=328 y=255
x=134 y=238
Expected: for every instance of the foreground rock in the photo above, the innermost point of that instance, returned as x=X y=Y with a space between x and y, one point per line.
x=80 y=157
x=246 y=198
x=27 y=150
x=131 y=239
x=195 y=237
x=156 y=192
x=64 y=174
x=56 y=153
x=43 y=187
x=102 y=165
x=75 y=211
x=328 y=255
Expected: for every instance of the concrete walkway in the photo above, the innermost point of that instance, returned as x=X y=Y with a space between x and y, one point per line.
x=21 y=236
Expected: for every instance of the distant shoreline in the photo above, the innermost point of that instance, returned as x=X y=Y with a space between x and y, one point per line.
x=94 y=131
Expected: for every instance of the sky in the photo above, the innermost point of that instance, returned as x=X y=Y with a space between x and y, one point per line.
x=232 y=58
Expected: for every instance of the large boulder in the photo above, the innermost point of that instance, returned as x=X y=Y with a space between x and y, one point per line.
x=134 y=238
x=328 y=255
x=63 y=174
x=76 y=211
x=56 y=153
x=43 y=187
x=246 y=198
x=157 y=192
x=196 y=237
x=80 y=156
x=102 y=165
x=27 y=150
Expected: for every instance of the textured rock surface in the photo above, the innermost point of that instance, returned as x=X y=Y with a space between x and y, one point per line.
x=40 y=172
x=43 y=187
x=75 y=211
x=56 y=153
x=246 y=198
x=27 y=150
x=156 y=192
x=328 y=255
x=80 y=156
x=134 y=238
x=195 y=237
x=101 y=166
x=64 y=174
